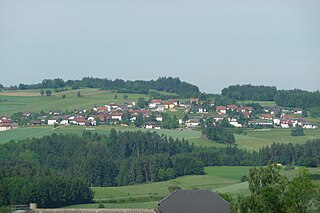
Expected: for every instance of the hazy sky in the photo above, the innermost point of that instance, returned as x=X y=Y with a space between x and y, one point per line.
x=209 y=43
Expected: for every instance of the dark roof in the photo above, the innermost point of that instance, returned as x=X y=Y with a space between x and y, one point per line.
x=199 y=201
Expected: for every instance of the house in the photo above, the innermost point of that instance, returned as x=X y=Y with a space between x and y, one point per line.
x=308 y=125
x=221 y=109
x=232 y=107
x=55 y=112
x=53 y=120
x=169 y=105
x=192 y=123
x=193 y=201
x=267 y=117
x=5 y=127
x=80 y=121
x=116 y=116
x=160 y=108
x=35 y=123
x=149 y=125
x=234 y=122
x=5 y=121
x=154 y=103
x=159 y=118
x=194 y=100
x=199 y=109
x=247 y=109
x=157 y=126
x=64 y=120
x=218 y=117
x=297 y=111
x=272 y=110
x=101 y=109
x=265 y=123
x=286 y=123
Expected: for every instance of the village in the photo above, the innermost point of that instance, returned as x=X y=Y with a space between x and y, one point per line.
x=156 y=113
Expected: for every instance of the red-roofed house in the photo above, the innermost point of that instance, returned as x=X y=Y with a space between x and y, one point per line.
x=232 y=107
x=221 y=109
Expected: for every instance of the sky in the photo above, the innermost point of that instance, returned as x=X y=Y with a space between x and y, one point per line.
x=209 y=43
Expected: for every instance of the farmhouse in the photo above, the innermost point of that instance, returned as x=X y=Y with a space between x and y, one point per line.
x=191 y=201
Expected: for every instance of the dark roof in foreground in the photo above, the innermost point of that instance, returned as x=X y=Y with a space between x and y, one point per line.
x=193 y=201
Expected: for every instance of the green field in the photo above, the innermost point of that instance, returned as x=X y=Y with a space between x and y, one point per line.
x=30 y=100
x=253 y=140
x=225 y=179
x=37 y=132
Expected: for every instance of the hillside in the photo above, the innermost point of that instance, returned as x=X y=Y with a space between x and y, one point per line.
x=31 y=100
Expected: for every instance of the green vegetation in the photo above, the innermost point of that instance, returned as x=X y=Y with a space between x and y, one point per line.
x=166 y=84
x=32 y=101
x=297 y=131
x=272 y=192
x=224 y=179
x=253 y=140
x=250 y=92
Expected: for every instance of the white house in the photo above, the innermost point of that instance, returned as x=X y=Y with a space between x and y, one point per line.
x=116 y=116
x=159 y=118
x=191 y=123
x=234 y=122
x=149 y=125
x=53 y=121
x=5 y=127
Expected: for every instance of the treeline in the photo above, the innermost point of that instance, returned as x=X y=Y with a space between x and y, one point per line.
x=167 y=84
x=287 y=98
x=121 y=158
x=307 y=154
x=250 y=92
x=297 y=98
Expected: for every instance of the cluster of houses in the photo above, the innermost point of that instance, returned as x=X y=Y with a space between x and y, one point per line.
x=118 y=113
x=272 y=117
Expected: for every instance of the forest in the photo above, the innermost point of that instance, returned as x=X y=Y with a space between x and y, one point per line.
x=121 y=158
x=286 y=98
x=167 y=84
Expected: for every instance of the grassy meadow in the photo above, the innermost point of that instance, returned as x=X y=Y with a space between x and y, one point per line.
x=253 y=140
x=32 y=101
x=224 y=179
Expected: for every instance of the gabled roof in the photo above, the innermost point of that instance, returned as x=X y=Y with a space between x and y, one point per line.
x=191 y=201
x=221 y=108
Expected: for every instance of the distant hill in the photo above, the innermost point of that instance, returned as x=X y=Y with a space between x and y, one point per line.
x=167 y=84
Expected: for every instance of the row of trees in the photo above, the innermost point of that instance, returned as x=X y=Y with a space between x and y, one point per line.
x=307 y=154
x=297 y=98
x=250 y=92
x=167 y=84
